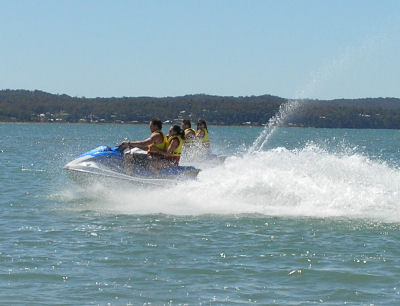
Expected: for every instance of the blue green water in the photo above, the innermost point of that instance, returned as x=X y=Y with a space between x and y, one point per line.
x=313 y=218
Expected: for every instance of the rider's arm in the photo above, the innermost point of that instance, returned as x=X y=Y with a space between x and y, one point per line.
x=200 y=134
x=144 y=143
x=173 y=145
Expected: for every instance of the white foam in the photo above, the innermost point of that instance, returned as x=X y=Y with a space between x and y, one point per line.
x=280 y=182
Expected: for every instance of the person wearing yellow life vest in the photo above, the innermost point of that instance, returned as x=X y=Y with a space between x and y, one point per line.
x=202 y=134
x=172 y=154
x=156 y=139
x=190 y=134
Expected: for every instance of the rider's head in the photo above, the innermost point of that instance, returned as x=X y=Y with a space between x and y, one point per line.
x=155 y=124
x=186 y=124
x=176 y=130
x=201 y=124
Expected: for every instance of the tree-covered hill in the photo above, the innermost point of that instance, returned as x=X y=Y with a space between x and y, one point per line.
x=39 y=106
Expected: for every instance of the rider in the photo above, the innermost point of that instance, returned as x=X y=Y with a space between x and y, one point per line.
x=157 y=140
x=202 y=134
x=190 y=134
x=172 y=154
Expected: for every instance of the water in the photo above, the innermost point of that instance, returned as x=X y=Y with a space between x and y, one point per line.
x=313 y=218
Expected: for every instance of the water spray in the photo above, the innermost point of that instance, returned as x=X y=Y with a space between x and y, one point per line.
x=287 y=109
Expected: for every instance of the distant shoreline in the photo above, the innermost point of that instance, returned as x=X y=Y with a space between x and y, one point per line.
x=210 y=125
x=126 y=124
x=38 y=106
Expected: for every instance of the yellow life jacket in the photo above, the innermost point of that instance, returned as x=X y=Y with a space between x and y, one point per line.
x=162 y=146
x=189 y=139
x=178 y=150
x=205 y=138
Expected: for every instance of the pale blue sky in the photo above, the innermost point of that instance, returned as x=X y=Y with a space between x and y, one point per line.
x=318 y=49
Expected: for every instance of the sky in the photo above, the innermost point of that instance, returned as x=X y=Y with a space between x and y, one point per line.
x=320 y=49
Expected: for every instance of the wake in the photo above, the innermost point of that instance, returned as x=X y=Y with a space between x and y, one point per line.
x=307 y=182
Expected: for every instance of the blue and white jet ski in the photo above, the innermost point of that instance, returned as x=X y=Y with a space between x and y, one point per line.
x=106 y=163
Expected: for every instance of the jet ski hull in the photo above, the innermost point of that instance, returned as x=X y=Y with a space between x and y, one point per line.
x=105 y=164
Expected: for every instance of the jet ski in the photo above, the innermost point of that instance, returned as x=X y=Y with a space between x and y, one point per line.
x=106 y=163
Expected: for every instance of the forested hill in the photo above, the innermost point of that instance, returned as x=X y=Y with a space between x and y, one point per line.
x=39 y=106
